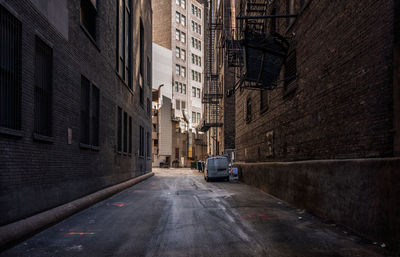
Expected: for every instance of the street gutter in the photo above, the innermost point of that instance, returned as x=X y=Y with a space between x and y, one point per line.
x=19 y=230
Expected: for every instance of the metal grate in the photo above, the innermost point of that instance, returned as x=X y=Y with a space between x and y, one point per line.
x=85 y=110
x=10 y=70
x=43 y=88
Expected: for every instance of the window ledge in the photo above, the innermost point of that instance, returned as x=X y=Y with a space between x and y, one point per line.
x=124 y=82
x=43 y=138
x=90 y=37
x=11 y=132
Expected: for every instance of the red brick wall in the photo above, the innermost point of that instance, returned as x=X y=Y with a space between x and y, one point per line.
x=343 y=106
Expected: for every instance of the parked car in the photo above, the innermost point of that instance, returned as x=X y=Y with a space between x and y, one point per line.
x=216 y=167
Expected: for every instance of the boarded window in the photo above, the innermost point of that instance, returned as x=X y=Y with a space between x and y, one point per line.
x=43 y=88
x=10 y=70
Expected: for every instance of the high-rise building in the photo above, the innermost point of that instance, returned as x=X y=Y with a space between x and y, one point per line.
x=179 y=26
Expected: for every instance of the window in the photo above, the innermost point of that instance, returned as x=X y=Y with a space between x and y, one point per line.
x=141 y=143
x=88 y=17
x=198 y=92
x=176 y=86
x=178 y=2
x=177 y=35
x=125 y=132
x=119 y=130
x=183 y=54
x=10 y=70
x=183 y=105
x=180 y=87
x=130 y=136
x=85 y=111
x=183 y=4
x=184 y=89
x=192 y=9
x=193 y=117
x=149 y=73
x=193 y=91
x=148 y=151
x=199 y=13
x=183 y=20
x=148 y=107
x=178 y=17
x=95 y=115
x=177 y=52
x=124 y=39
x=177 y=69
x=43 y=88
x=263 y=100
x=248 y=110
x=178 y=105
x=141 y=92
x=290 y=73
x=183 y=71
x=183 y=37
x=90 y=113
x=192 y=25
x=198 y=117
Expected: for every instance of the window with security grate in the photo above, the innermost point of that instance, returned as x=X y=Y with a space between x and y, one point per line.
x=10 y=70
x=43 y=88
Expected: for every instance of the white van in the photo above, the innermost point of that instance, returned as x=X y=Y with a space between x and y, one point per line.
x=216 y=167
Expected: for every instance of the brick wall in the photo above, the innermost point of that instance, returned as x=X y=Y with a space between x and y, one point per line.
x=343 y=106
x=35 y=176
x=162 y=25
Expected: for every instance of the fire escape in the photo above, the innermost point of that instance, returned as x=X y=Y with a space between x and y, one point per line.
x=254 y=49
x=212 y=92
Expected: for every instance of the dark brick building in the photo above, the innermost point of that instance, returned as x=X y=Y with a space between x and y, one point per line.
x=74 y=100
x=326 y=137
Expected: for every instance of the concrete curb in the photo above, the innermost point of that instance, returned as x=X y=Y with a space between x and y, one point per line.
x=18 y=230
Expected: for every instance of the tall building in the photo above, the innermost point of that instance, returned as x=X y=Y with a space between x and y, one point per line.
x=317 y=107
x=75 y=100
x=179 y=26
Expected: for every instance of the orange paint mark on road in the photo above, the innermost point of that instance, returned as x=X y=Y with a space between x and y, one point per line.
x=119 y=204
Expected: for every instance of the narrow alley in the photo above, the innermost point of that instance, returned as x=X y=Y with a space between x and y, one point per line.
x=177 y=213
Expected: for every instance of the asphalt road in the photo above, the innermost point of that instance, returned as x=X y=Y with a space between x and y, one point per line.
x=177 y=213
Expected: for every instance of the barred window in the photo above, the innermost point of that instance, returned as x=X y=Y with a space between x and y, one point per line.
x=10 y=70
x=43 y=88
